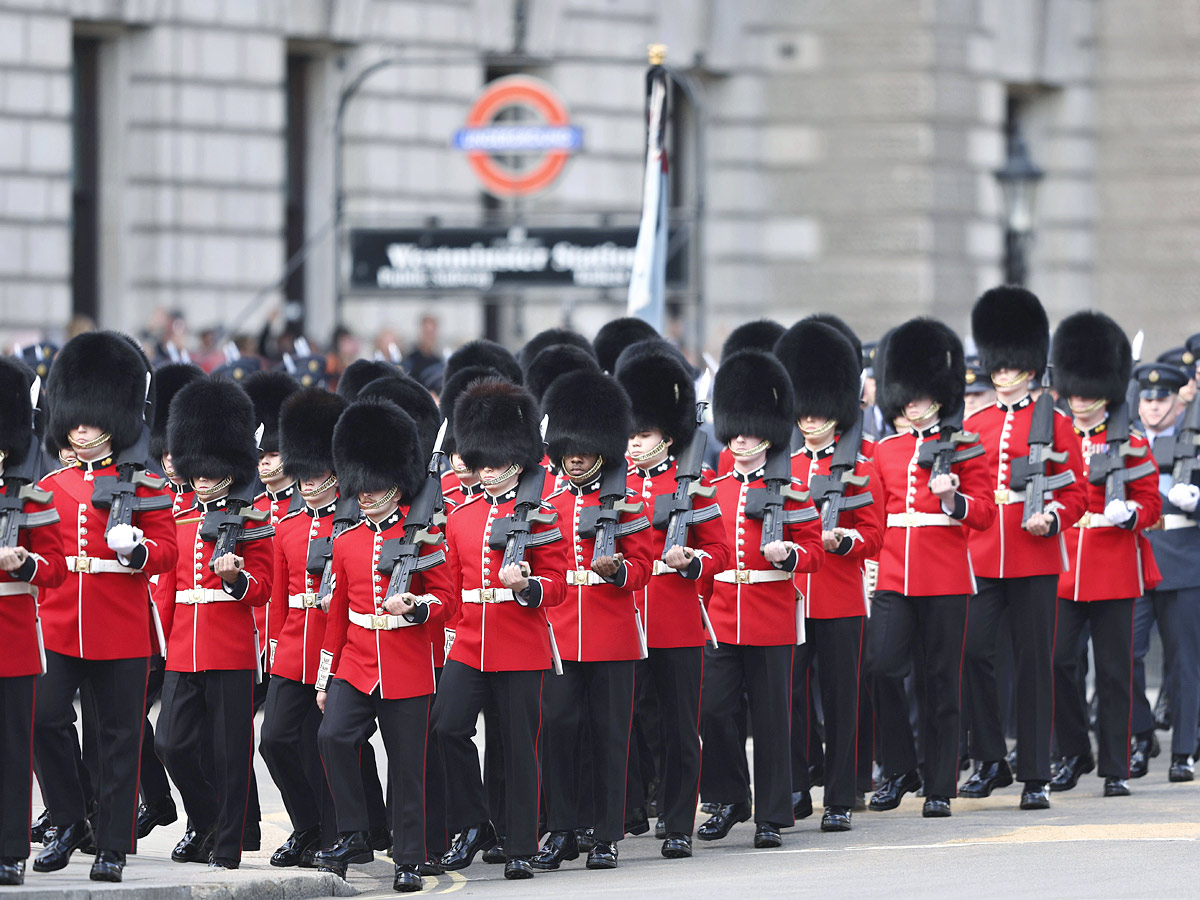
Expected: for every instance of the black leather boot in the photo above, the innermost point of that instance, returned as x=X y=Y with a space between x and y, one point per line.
x=469 y=842
x=560 y=847
x=292 y=851
x=66 y=841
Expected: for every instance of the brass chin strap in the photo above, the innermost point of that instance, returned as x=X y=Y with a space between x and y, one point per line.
x=319 y=489
x=1018 y=379
x=382 y=501
x=460 y=472
x=89 y=445
x=501 y=478
x=168 y=469
x=817 y=432
x=649 y=454
x=928 y=414
x=1086 y=410
x=274 y=473
x=753 y=451
x=589 y=474
x=205 y=496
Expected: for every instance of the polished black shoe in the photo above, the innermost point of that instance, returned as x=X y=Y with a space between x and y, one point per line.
x=350 y=848
x=766 y=836
x=802 y=806
x=299 y=843
x=836 y=818
x=380 y=839
x=726 y=816
x=109 y=866
x=518 y=868
x=889 y=793
x=12 y=870
x=1035 y=795
x=638 y=822
x=407 y=879
x=602 y=856
x=1145 y=748
x=469 y=842
x=494 y=855
x=1116 y=787
x=339 y=871
x=708 y=807
x=586 y=838
x=936 y=808
x=985 y=779
x=560 y=847
x=660 y=830
x=66 y=841
x=195 y=847
x=1181 y=768
x=222 y=862
x=38 y=830
x=431 y=867
x=1069 y=770
x=677 y=845
x=159 y=812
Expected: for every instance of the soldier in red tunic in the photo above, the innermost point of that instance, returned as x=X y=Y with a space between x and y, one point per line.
x=824 y=370
x=33 y=562
x=1109 y=559
x=663 y=399
x=596 y=628
x=207 y=605
x=754 y=605
x=925 y=576
x=376 y=658
x=1018 y=560
x=501 y=647
x=97 y=624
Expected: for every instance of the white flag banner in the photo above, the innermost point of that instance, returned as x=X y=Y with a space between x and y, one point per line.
x=647 y=283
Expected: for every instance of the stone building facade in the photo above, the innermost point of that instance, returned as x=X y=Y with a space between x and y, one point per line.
x=175 y=153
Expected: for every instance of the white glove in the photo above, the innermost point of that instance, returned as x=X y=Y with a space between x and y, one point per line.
x=1184 y=496
x=123 y=539
x=1118 y=512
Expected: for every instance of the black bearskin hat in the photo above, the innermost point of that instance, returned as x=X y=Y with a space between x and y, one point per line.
x=268 y=390
x=452 y=390
x=825 y=371
x=922 y=358
x=1091 y=356
x=210 y=431
x=376 y=445
x=484 y=353
x=839 y=325
x=414 y=400
x=497 y=423
x=306 y=422
x=549 y=338
x=761 y=334
x=16 y=412
x=589 y=413
x=555 y=361
x=1011 y=330
x=362 y=372
x=752 y=395
x=99 y=379
x=169 y=379
x=617 y=334
x=661 y=391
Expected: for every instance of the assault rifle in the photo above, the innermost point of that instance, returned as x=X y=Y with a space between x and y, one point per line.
x=1176 y=453
x=1029 y=472
x=514 y=533
x=118 y=493
x=767 y=502
x=676 y=513
x=401 y=557
x=1109 y=468
x=226 y=528
x=20 y=486
x=829 y=491
x=940 y=455
x=320 y=552
x=603 y=522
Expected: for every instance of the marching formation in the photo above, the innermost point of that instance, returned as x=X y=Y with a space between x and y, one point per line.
x=880 y=561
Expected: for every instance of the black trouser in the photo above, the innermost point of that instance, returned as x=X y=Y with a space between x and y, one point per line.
x=834 y=647
x=764 y=674
x=214 y=707
x=437 y=833
x=350 y=717
x=646 y=751
x=1029 y=606
x=288 y=744
x=518 y=696
x=152 y=783
x=1111 y=623
x=937 y=625
x=493 y=768
x=118 y=688
x=864 y=764
x=16 y=764
x=592 y=702
x=1178 y=616
x=677 y=674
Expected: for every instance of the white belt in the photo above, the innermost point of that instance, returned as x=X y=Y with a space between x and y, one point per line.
x=661 y=568
x=488 y=595
x=203 y=595
x=13 y=588
x=93 y=565
x=918 y=519
x=304 y=601
x=751 y=576
x=1094 y=520
x=583 y=578
x=1006 y=497
x=378 y=623
x=1171 y=521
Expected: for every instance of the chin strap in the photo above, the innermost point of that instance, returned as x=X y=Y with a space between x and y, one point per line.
x=382 y=501
x=753 y=451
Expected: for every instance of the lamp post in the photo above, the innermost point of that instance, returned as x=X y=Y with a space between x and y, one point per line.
x=1019 y=178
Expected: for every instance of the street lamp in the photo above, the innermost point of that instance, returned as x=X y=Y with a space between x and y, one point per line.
x=1019 y=178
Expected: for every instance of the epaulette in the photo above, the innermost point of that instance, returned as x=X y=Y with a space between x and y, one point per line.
x=884 y=440
x=553 y=494
x=1137 y=432
x=721 y=477
x=1061 y=413
x=859 y=458
x=56 y=471
x=350 y=528
x=466 y=503
x=291 y=515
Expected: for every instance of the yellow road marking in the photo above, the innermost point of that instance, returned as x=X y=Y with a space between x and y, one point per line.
x=457 y=882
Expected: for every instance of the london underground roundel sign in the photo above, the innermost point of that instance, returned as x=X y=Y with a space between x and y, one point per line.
x=490 y=141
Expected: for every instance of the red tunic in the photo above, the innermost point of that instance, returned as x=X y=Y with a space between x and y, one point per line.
x=504 y=636
x=399 y=662
x=838 y=588
x=45 y=568
x=598 y=622
x=101 y=615
x=1112 y=563
x=764 y=613
x=297 y=632
x=280 y=506
x=1006 y=550
x=669 y=604
x=920 y=560
x=213 y=635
